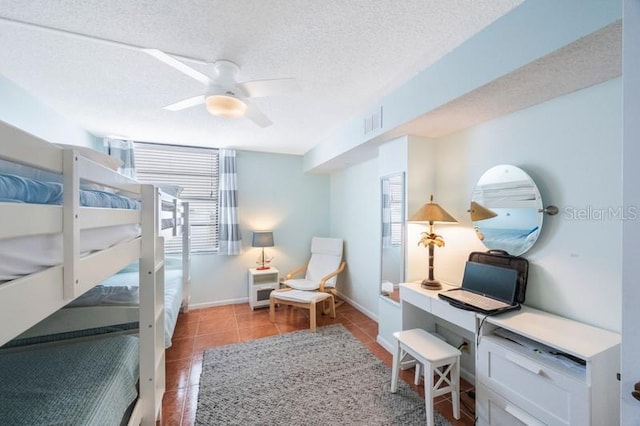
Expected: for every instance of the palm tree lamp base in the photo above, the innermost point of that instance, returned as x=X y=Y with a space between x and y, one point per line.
x=431 y=284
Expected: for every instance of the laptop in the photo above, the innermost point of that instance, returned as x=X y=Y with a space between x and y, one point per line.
x=485 y=288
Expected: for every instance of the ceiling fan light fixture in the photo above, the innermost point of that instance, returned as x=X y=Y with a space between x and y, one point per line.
x=227 y=106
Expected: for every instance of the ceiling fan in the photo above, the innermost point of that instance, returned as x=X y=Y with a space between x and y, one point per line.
x=225 y=96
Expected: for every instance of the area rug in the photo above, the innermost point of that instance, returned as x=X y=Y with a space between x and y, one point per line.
x=303 y=378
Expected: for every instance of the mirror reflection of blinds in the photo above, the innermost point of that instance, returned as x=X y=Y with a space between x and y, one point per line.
x=395 y=207
x=516 y=193
x=196 y=171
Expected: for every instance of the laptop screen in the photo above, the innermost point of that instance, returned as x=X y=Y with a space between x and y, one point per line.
x=495 y=281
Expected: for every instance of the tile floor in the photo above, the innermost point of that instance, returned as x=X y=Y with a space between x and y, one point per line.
x=205 y=328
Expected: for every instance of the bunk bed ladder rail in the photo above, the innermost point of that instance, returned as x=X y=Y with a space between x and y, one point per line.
x=70 y=224
x=186 y=257
x=152 y=354
x=75 y=166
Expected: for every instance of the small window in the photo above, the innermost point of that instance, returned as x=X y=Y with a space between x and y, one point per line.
x=196 y=171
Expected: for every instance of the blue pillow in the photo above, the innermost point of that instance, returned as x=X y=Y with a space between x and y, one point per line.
x=30 y=191
x=20 y=189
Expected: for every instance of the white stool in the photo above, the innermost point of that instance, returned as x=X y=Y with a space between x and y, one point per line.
x=437 y=357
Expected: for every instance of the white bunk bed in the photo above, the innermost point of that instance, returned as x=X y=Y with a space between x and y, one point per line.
x=112 y=305
x=26 y=300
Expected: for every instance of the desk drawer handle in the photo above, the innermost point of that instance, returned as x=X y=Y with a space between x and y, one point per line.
x=521 y=362
x=522 y=416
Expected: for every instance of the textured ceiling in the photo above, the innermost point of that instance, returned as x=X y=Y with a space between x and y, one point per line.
x=345 y=55
x=590 y=60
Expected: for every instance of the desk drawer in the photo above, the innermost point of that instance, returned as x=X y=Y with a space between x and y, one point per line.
x=416 y=298
x=551 y=395
x=459 y=317
x=494 y=410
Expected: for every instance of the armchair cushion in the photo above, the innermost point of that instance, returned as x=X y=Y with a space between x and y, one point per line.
x=326 y=255
x=301 y=296
x=302 y=284
x=328 y=246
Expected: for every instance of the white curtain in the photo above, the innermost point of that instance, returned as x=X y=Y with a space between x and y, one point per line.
x=122 y=150
x=229 y=241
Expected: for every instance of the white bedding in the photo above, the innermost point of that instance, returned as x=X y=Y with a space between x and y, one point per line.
x=25 y=255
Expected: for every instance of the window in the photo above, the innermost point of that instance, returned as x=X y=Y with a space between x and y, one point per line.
x=196 y=171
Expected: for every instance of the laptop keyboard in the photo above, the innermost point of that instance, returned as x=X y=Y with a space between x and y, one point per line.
x=478 y=300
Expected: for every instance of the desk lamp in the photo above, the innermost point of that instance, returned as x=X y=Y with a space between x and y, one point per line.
x=430 y=213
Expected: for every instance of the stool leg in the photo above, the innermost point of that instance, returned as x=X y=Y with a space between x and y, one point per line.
x=416 y=378
x=428 y=393
x=395 y=367
x=455 y=388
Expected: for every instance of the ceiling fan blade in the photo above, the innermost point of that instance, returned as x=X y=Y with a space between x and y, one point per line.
x=172 y=62
x=262 y=88
x=185 y=103
x=254 y=114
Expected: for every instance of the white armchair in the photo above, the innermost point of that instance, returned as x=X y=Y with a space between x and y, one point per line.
x=322 y=271
x=319 y=282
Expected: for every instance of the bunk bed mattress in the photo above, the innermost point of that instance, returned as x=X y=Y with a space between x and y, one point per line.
x=91 y=382
x=122 y=289
x=25 y=255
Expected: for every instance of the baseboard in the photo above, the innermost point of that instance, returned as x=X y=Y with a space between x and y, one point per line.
x=203 y=305
x=359 y=307
x=385 y=344
x=218 y=303
x=469 y=377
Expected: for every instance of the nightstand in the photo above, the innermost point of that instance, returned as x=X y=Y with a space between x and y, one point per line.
x=261 y=283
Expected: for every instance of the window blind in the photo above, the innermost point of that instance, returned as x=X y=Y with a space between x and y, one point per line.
x=395 y=208
x=196 y=171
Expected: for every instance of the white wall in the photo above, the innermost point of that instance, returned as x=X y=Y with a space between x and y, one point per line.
x=355 y=213
x=274 y=194
x=24 y=111
x=572 y=148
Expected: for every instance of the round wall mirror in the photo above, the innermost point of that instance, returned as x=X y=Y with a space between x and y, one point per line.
x=506 y=210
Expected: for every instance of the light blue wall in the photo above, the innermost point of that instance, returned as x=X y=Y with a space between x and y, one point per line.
x=274 y=194
x=572 y=148
x=571 y=145
x=355 y=207
x=26 y=112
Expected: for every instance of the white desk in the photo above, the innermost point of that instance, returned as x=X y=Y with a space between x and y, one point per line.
x=516 y=383
x=429 y=302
